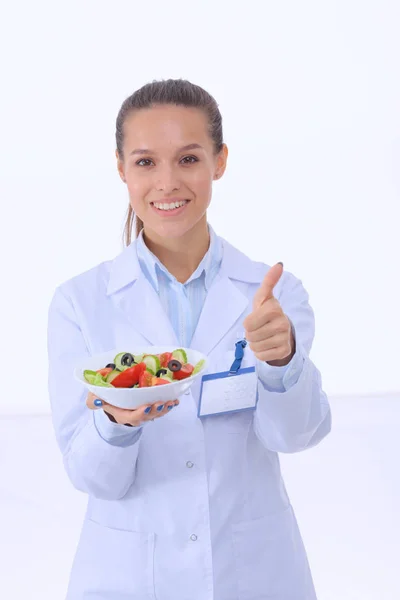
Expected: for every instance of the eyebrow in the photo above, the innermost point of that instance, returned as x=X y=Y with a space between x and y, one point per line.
x=147 y=151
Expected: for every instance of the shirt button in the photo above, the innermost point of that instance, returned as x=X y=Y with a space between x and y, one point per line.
x=189 y=464
x=187 y=393
x=193 y=537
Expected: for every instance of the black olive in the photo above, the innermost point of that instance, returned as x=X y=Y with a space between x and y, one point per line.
x=174 y=365
x=161 y=372
x=127 y=360
x=110 y=366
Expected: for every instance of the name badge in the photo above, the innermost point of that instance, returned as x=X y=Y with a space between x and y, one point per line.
x=229 y=391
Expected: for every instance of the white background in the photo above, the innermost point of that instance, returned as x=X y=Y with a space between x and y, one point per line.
x=310 y=97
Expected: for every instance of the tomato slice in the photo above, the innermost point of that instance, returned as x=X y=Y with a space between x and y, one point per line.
x=104 y=372
x=158 y=381
x=129 y=377
x=165 y=357
x=184 y=373
x=145 y=379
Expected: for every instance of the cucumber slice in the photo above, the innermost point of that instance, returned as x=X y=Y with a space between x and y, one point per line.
x=167 y=377
x=180 y=355
x=138 y=358
x=117 y=362
x=198 y=367
x=152 y=363
x=112 y=375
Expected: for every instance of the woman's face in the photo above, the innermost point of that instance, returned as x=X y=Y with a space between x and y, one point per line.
x=169 y=158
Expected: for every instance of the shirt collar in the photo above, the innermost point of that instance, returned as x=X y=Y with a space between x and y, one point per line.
x=209 y=264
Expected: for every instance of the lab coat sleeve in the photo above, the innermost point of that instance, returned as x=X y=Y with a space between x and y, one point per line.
x=99 y=457
x=293 y=411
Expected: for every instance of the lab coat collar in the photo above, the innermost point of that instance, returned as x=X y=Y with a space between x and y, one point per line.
x=143 y=309
x=125 y=268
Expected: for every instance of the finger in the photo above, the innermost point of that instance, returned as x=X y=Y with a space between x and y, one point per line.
x=91 y=399
x=275 y=342
x=270 y=329
x=267 y=312
x=159 y=409
x=274 y=354
x=265 y=291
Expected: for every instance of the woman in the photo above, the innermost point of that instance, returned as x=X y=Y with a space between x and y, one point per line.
x=184 y=506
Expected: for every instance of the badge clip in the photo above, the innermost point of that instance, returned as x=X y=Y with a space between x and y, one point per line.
x=239 y=353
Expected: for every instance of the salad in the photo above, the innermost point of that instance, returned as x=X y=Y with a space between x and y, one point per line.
x=144 y=370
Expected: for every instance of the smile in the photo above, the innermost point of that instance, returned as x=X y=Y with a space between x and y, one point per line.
x=169 y=209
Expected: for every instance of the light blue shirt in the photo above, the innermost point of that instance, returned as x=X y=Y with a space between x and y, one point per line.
x=183 y=302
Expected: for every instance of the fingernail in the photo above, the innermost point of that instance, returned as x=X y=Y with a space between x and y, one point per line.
x=170 y=406
x=160 y=408
x=147 y=410
x=280 y=263
x=98 y=402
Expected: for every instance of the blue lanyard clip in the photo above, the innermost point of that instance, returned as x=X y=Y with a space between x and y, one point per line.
x=239 y=352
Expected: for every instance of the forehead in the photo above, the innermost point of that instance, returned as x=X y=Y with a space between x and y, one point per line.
x=166 y=126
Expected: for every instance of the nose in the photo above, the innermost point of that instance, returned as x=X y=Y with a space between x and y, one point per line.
x=167 y=179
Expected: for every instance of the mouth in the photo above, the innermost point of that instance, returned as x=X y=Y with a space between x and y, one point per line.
x=166 y=209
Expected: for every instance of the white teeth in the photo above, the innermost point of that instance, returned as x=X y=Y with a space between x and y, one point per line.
x=169 y=206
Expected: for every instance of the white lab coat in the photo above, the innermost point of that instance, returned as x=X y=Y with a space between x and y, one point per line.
x=195 y=509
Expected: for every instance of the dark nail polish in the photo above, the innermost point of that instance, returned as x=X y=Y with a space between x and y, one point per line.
x=147 y=410
x=280 y=263
x=98 y=402
x=160 y=408
x=171 y=406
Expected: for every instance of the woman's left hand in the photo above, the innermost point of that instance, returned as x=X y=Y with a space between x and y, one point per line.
x=268 y=329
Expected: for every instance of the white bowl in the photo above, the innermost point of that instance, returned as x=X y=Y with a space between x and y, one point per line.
x=131 y=398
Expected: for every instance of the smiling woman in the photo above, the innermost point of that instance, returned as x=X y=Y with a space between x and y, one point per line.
x=192 y=505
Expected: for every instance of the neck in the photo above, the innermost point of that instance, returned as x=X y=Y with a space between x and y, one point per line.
x=182 y=255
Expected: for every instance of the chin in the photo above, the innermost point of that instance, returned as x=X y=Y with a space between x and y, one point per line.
x=171 y=230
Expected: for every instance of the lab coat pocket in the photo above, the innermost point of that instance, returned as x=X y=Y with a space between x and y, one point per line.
x=266 y=555
x=112 y=563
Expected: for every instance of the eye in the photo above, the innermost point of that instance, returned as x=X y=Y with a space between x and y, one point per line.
x=143 y=160
x=193 y=159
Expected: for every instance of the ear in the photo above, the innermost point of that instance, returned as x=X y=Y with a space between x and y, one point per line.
x=120 y=167
x=221 y=162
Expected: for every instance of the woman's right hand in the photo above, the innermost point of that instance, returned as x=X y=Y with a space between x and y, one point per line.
x=146 y=412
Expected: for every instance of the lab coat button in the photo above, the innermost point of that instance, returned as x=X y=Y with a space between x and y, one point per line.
x=189 y=464
x=193 y=537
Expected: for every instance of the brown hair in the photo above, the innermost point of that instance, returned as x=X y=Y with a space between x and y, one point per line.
x=171 y=91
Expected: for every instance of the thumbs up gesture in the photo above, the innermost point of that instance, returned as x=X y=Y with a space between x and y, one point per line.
x=268 y=329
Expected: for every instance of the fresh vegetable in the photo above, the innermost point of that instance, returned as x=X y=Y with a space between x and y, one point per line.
x=160 y=381
x=198 y=367
x=104 y=372
x=165 y=357
x=180 y=355
x=135 y=371
x=146 y=379
x=111 y=376
x=152 y=362
x=95 y=378
x=184 y=372
x=130 y=377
